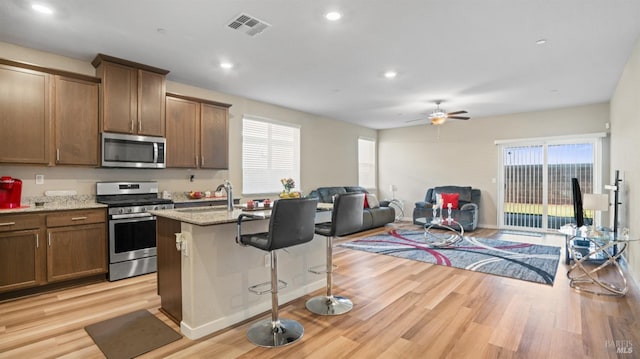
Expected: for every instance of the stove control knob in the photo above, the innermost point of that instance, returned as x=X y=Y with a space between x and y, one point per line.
x=129 y=210
x=156 y=207
x=120 y=210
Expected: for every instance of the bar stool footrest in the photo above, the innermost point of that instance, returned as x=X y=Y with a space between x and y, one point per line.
x=264 y=288
x=321 y=269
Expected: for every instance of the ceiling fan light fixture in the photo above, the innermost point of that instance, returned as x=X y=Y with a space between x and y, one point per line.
x=438 y=120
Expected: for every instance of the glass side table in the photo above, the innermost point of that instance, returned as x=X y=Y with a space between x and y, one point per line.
x=451 y=231
x=591 y=254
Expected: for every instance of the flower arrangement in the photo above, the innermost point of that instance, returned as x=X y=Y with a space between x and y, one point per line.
x=288 y=184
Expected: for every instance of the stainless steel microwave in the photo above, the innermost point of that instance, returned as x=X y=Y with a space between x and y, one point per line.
x=119 y=150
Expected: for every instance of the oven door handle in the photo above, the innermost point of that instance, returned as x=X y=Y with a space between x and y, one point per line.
x=132 y=215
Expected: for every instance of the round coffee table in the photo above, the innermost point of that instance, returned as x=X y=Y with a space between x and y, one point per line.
x=442 y=239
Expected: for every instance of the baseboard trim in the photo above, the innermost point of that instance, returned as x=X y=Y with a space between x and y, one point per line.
x=256 y=310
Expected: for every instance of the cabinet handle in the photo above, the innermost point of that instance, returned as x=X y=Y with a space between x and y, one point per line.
x=196 y=158
x=79 y=218
x=202 y=164
x=132 y=126
x=139 y=126
x=57 y=155
x=37 y=241
x=49 y=239
x=7 y=224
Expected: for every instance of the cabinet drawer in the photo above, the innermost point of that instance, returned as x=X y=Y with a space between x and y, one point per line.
x=73 y=218
x=18 y=222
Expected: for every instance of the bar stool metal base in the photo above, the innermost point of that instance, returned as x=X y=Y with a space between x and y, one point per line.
x=329 y=305
x=265 y=334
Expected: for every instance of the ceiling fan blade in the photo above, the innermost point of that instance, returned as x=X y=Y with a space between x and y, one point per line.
x=456 y=113
x=417 y=119
x=459 y=117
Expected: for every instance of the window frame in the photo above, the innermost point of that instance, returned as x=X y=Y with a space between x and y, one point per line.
x=374 y=164
x=293 y=172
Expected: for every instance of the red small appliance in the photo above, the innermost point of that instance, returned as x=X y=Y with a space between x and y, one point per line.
x=10 y=192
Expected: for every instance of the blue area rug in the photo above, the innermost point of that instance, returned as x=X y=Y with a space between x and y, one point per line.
x=525 y=261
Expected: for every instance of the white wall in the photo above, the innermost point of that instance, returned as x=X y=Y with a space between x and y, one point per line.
x=464 y=152
x=625 y=151
x=328 y=147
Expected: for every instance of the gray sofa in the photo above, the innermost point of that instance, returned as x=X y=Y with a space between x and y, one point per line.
x=371 y=217
x=468 y=204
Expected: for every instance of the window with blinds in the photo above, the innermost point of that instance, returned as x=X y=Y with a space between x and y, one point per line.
x=367 y=163
x=270 y=152
x=535 y=191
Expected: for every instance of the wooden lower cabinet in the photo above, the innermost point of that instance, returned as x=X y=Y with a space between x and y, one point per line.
x=169 y=268
x=39 y=249
x=76 y=251
x=21 y=259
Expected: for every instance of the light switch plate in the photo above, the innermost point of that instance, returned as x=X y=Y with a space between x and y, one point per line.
x=39 y=179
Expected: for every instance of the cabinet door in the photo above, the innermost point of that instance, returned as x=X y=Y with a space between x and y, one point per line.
x=24 y=116
x=169 y=268
x=76 y=122
x=181 y=143
x=214 y=137
x=76 y=251
x=151 y=103
x=119 y=98
x=21 y=259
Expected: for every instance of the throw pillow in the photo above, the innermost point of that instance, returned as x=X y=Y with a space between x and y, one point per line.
x=366 y=203
x=372 y=200
x=450 y=198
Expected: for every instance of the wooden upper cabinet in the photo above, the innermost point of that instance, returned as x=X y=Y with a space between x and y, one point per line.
x=181 y=146
x=24 y=115
x=151 y=105
x=133 y=96
x=197 y=133
x=119 y=97
x=76 y=121
x=214 y=134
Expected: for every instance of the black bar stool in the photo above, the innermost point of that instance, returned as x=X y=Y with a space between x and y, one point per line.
x=291 y=223
x=346 y=218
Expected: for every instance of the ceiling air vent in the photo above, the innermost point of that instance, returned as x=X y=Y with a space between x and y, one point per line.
x=248 y=24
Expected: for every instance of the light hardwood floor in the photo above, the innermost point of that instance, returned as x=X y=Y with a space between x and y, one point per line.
x=403 y=309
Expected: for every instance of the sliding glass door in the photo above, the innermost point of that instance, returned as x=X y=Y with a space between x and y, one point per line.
x=535 y=180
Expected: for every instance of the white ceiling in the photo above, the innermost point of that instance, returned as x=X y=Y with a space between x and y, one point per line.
x=480 y=56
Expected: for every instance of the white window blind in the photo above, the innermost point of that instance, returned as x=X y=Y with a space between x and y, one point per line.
x=367 y=163
x=270 y=152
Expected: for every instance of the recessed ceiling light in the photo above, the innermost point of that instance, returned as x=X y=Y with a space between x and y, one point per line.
x=390 y=74
x=226 y=65
x=541 y=42
x=43 y=9
x=333 y=16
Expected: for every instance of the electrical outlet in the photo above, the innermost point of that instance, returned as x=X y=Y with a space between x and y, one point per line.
x=39 y=179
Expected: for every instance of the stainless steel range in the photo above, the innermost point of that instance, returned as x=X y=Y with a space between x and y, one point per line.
x=132 y=231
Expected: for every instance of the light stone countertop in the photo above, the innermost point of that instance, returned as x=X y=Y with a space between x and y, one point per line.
x=61 y=203
x=207 y=216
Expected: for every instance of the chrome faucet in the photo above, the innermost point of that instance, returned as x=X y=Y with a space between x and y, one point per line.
x=229 y=189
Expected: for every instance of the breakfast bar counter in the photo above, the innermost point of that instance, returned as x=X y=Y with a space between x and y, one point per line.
x=203 y=274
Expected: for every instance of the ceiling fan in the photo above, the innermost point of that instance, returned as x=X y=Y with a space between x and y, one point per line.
x=440 y=116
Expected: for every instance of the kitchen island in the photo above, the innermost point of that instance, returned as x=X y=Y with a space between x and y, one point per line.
x=203 y=274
